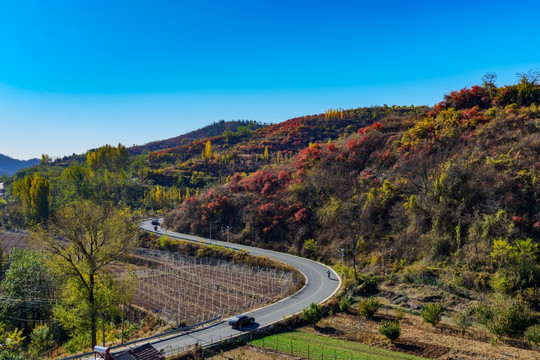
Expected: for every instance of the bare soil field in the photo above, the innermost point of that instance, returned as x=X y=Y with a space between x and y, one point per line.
x=200 y=289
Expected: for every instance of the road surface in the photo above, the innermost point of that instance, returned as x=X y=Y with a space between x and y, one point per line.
x=319 y=287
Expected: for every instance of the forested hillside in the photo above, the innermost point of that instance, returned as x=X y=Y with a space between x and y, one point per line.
x=214 y=129
x=451 y=192
x=459 y=185
x=162 y=179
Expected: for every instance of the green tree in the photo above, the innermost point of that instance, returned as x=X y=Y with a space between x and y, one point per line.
x=510 y=318
x=41 y=341
x=463 y=320
x=311 y=247
x=344 y=304
x=533 y=334
x=33 y=191
x=45 y=159
x=390 y=329
x=82 y=240
x=21 y=191
x=77 y=177
x=6 y=355
x=432 y=314
x=27 y=285
x=313 y=313
x=108 y=158
x=39 y=198
x=368 y=307
x=516 y=264
x=74 y=313
x=10 y=342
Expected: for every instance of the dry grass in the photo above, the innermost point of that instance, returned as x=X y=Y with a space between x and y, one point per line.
x=422 y=338
x=252 y=353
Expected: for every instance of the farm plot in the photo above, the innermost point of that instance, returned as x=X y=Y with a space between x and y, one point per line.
x=177 y=286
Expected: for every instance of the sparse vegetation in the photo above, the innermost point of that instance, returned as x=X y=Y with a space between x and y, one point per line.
x=432 y=314
x=368 y=307
x=391 y=330
x=463 y=320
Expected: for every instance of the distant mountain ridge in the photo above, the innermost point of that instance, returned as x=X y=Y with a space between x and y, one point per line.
x=8 y=165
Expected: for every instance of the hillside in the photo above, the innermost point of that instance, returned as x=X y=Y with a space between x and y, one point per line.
x=248 y=150
x=211 y=130
x=162 y=179
x=459 y=185
x=435 y=207
x=8 y=165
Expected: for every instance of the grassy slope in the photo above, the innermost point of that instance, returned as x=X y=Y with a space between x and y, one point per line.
x=320 y=347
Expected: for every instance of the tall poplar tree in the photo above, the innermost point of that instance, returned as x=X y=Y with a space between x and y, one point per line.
x=208 y=154
x=33 y=191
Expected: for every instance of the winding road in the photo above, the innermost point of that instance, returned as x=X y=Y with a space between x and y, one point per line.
x=319 y=287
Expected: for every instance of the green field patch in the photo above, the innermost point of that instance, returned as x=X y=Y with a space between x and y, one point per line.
x=311 y=346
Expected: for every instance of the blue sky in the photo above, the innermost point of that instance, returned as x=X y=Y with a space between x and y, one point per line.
x=75 y=75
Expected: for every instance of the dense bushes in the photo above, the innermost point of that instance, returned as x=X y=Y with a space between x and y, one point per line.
x=510 y=319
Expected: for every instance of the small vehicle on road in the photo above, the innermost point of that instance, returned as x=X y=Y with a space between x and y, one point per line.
x=155 y=222
x=240 y=320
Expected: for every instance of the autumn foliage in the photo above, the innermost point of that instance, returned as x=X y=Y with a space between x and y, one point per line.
x=440 y=184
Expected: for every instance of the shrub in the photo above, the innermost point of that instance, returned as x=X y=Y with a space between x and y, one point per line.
x=400 y=314
x=463 y=320
x=483 y=313
x=391 y=330
x=368 y=307
x=533 y=334
x=432 y=314
x=166 y=242
x=344 y=304
x=510 y=319
x=313 y=313
x=41 y=341
x=415 y=272
x=367 y=285
x=482 y=282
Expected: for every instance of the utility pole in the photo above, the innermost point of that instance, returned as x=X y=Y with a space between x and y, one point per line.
x=342 y=254
x=210 y=222
x=228 y=228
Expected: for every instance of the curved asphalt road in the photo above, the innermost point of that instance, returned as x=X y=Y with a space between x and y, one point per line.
x=318 y=288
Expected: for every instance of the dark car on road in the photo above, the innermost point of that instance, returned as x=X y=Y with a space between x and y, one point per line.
x=240 y=320
x=155 y=222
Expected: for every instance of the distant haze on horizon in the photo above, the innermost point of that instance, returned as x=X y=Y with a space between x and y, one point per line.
x=75 y=76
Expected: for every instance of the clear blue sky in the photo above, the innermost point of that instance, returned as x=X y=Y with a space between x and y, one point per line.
x=76 y=74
